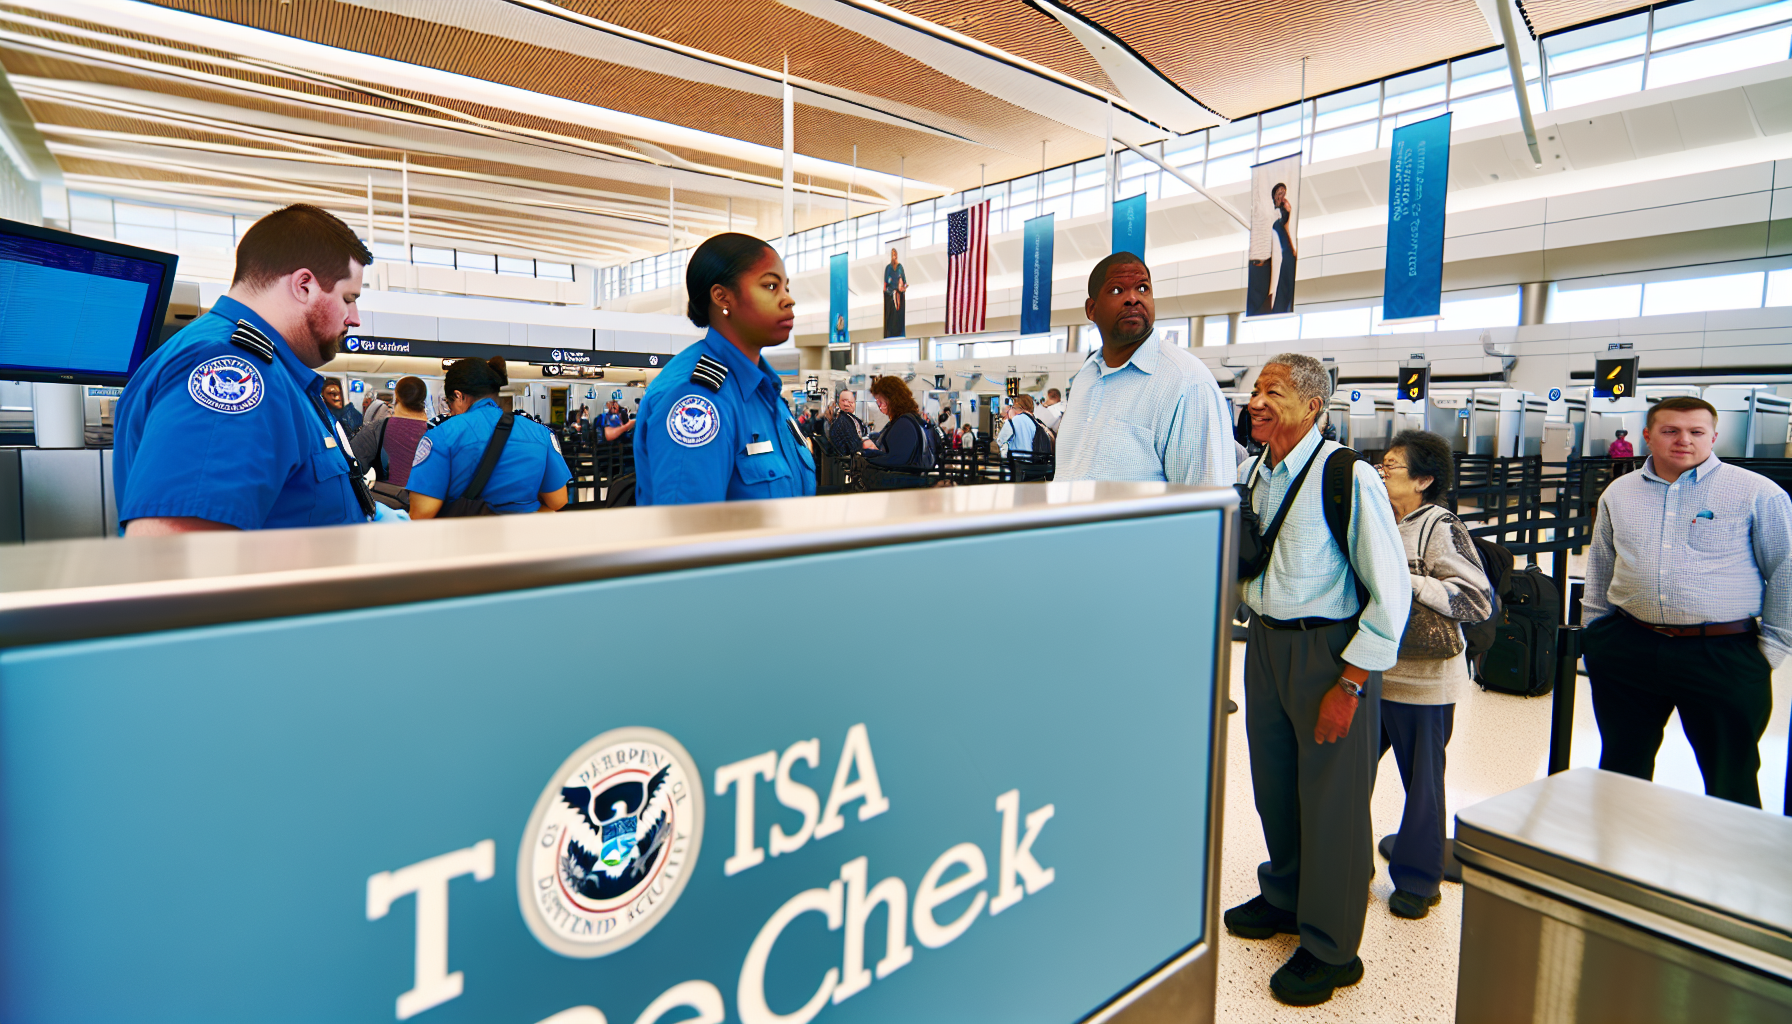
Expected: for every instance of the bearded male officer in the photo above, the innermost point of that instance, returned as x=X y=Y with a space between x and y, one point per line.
x=224 y=426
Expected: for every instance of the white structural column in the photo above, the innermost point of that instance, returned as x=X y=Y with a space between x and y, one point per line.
x=404 y=199
x=671 y=219
x=789 y=157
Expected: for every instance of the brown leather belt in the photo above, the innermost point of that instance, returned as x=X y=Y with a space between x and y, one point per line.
x=1707 y=629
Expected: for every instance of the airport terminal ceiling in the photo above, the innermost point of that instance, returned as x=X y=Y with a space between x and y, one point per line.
x=558 y=127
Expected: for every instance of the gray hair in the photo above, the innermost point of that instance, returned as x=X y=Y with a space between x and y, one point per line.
x=1310 y=377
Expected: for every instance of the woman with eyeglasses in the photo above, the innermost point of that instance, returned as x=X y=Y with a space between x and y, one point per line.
x=1418 y=695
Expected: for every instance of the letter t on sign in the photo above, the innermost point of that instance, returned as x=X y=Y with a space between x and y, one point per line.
x=431 y=984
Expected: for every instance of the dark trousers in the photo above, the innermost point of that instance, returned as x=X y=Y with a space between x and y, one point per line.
x=1418 y=734
x=1721 y=685
x=1313 y=799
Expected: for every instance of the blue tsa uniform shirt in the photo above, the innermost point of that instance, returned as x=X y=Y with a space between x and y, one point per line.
x=224 y=423
x=714 y=427
x=530 y=466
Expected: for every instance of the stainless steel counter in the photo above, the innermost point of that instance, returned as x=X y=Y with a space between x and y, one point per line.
x=71 y=590
x=1593 y=896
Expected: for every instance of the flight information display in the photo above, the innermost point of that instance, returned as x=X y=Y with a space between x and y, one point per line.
x=77 y=309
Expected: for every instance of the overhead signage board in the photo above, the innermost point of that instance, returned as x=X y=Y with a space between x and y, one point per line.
x=1414 y=382
x=363 y=345
x=1614 y=377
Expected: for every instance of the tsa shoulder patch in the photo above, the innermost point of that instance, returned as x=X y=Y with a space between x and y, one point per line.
x=228 y=384
x=423 y=449
x=693 y=421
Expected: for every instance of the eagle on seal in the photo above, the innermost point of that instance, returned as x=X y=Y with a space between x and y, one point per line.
x=617 y=838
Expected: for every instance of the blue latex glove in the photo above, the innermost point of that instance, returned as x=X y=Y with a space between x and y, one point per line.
x=382 y=514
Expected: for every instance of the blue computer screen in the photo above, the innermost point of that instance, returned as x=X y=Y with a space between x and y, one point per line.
x=70 y=309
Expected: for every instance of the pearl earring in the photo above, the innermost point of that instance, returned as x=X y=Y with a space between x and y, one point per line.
x=724 y=312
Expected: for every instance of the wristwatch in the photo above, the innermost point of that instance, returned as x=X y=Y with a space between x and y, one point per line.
x=1354 y=689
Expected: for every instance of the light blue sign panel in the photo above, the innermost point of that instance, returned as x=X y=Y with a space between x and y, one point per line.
x=1418 y=174
x=839 y=331
x=264 y=821
x=1129 y=225
x=1036 y=276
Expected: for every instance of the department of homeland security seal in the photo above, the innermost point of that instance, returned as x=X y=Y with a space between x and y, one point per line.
x=226 y=384
x=693 y=421
x=611 y=843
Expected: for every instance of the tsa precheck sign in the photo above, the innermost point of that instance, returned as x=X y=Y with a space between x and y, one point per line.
x=962 y=829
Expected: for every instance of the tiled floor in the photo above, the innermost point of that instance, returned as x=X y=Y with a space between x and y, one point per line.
x=1499 y=743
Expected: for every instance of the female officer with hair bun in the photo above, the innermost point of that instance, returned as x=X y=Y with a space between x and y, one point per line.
x=714 y=426
x=530 y=475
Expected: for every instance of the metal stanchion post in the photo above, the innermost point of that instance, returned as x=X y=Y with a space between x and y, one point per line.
x=1561 y=715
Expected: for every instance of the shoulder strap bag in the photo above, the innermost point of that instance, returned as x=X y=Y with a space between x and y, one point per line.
x=470 y=503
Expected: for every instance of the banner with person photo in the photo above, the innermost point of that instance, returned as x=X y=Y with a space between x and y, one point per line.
x=1418 y=175
x=1036 y=275
x=1275 y=216
x=896 y=290
x=838 y=331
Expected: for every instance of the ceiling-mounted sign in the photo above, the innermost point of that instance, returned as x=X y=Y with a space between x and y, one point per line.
x=361 y=345
x=1555 y=394
x=939 y=382
x=1414 y=381
x=1013 y=387
x=355 y=387
x=1614 y=378
x=391 y=384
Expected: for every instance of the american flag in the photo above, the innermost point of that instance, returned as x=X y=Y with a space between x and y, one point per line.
x=967 y=269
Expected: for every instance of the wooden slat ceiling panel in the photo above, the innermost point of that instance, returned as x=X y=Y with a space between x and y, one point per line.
x=1550 y=15
x=1017 y=27
x=763 y=32
x=1242 y=56
x=729 y=112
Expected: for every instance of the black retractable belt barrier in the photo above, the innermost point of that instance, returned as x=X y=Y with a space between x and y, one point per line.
x=1561 y=714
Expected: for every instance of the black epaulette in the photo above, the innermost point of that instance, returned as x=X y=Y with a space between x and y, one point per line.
x=711 y=373
x=247 y=337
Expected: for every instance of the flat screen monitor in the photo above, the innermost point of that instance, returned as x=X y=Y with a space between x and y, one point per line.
x=77 y=310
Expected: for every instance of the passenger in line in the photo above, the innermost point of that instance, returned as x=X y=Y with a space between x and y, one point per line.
x=349 y=416
x=715 y=426
x=1018 y=427
x=1052 y=411
x=1689 y=600
x=1140 y=409
x=906 y=445
x=224 y=426
x=390 y=445
x=530 y=474
x=1418 y=695
x=847 y=434
x=616 y=423
x=1326 y=621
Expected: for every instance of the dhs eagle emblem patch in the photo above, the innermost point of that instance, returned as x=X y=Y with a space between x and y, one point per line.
x=612 y=841
x=693 y=421
x=227 y=384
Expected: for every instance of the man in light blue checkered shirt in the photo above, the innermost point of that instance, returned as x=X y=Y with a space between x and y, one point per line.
x=1312 y=682
x=1140 y=409
x=1686 y=554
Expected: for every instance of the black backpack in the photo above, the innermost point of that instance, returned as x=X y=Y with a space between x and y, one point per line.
x=1496 y=562
x=1337 y=496
x=1042 y=439
x=1522 y=658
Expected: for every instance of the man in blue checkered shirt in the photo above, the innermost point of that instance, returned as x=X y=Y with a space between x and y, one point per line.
x=1689 y=600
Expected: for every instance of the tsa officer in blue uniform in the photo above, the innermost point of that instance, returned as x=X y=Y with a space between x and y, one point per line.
x=530 y=476
x=224 y=426
x=713 y=424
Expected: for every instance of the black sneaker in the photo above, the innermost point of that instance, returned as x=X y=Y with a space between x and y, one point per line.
x=1306 y=980
x=1411 y=905
x=1257 y=919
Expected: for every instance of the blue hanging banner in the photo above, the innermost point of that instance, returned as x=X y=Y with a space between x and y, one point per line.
x=1129 y=225
x=1418 y=174
x=1036 y=277
x=838 y=332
